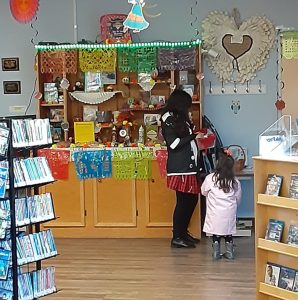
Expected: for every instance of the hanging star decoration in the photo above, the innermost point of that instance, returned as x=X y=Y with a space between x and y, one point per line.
x=135 y=19
x=24 y=10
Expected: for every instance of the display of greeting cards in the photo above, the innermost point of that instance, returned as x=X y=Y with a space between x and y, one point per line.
x=293 y=235
x=286 y=278
x=274 y=183
x=272 y=274
x=50 y=92
x=274 y=230
x=4 y=263
x=4 y=133
x=293 y=190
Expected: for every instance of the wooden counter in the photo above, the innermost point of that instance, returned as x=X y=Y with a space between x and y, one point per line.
x=97 y=208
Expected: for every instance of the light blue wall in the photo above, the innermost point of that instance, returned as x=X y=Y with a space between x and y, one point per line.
x=55 y=23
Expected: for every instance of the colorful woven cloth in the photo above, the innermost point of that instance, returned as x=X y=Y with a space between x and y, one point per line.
x=58 y=161
x=132 y=164
x=177 y=59
x=93 y=164
x=137 y=59
x=97 y=60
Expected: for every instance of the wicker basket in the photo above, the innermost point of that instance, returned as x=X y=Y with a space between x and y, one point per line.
x=239 y=163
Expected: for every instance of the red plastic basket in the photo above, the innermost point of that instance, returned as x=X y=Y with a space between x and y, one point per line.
x=207 y=141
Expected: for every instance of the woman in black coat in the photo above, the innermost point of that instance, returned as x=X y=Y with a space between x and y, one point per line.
x=182 y=164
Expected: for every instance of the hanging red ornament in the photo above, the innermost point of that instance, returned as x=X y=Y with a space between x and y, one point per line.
x=24 y=10
x=280 y=104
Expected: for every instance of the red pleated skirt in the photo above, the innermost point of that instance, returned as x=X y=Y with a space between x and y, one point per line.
x=184 y=183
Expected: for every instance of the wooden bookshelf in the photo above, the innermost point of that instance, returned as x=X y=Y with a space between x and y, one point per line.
x=273 y=207
x=276 y=247
x=272 y=292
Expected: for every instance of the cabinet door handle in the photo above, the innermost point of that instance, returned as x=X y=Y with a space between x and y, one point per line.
x=99 y=180
x=152 y=180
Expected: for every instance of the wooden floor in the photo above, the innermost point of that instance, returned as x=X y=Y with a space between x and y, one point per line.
x=148 y=269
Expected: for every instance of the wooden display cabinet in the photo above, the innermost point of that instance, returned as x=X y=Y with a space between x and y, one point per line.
x=273 y=207
x=115 y=208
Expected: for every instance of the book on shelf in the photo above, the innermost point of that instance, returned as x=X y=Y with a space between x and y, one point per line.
x=293 y=235
x=274 y=183
x=272 y=274
x=295 y=287
x=4 y=220
x=4 y=134
x=274 y=230
x=293 y=190
x=50 y=92
x=56 y=115
x=31 y=132
x=57 y=134
x=286 y=278
x=4 y=263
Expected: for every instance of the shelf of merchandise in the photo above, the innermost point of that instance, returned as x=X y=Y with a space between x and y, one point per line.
x=52 y=104
x=273 y=207
x=274 y=201
x=277 y=247
x=276 y=292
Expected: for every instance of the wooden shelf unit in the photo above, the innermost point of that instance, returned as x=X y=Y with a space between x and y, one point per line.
x=272 y=207
x=73 y=109
x=272 y=292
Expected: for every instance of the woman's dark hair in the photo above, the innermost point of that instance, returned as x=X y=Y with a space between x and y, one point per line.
x=179 y=104
x=224 y=175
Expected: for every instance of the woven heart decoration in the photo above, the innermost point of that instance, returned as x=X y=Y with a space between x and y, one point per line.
x=243 y=47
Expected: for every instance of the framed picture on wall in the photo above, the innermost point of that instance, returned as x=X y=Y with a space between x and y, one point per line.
x=12 y=87
x=10 y=64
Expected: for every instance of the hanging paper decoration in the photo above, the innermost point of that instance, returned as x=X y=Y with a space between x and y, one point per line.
x=137 y=59
x=280 y=104
x=97 y=60
x=176 y=59
x=58 y=62
x=24 y=10
x=135 y=19
x=162 y=157
x=112 y=29
x=58 y=162
x=132 y=164
x=93 y=164
x=94 y=97
x=290 y=44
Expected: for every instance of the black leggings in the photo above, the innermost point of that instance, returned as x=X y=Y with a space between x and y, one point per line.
x=185 y=206
x=228 y=238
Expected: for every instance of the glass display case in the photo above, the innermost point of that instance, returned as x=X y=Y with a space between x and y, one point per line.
x=280 y=139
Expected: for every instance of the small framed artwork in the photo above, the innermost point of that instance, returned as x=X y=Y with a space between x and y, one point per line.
x=12 y=87
x=10 y=64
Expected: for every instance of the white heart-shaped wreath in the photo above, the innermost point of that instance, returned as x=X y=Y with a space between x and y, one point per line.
x=242 y=49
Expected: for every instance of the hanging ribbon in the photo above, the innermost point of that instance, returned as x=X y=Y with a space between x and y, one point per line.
x=58 y=161
x=24 y=10
x=132 y=164
x=176 y=59
x=97 y=60
x=137 y=59
x=162 y=157
x=93 y=164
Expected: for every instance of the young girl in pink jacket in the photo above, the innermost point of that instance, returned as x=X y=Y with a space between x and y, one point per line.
x=223 y=193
